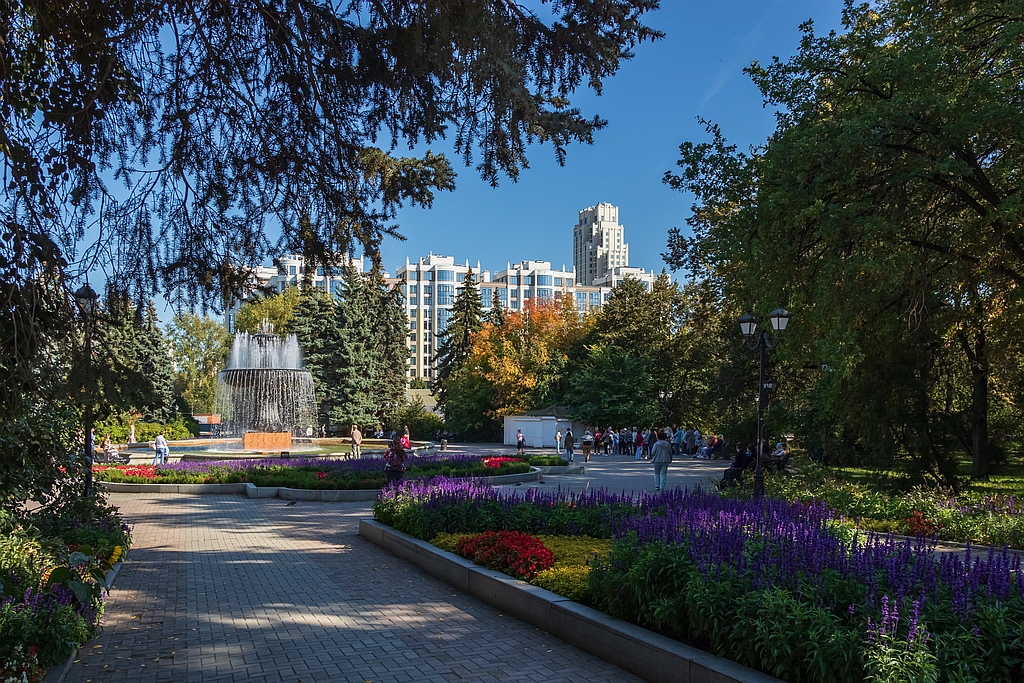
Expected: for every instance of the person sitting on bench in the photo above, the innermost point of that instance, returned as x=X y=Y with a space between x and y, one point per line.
x=740 y=462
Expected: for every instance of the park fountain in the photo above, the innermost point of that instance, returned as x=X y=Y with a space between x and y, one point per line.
x=264 y=395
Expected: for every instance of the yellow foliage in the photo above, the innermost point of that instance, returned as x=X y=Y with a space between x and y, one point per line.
x=448 y=541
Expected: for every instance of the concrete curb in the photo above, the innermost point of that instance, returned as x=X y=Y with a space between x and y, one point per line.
x=562 y=469
x=250 y=490
x=59 y=673
x=650 y=656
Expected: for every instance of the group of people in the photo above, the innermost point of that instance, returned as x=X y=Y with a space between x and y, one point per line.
x=746 y=458
x=637 y=442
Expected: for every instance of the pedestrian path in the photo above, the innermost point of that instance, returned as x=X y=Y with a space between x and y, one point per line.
x=225 y=588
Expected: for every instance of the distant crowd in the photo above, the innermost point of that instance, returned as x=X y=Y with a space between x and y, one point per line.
x=684 y=441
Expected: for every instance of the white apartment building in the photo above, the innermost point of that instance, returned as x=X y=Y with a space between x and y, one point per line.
x=614 y=276
x=288 y=271
x=429 y=287
x=598 y=243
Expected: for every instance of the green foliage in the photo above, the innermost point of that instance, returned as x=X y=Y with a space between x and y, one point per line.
x=613 y=387
x=885 y=211
x=119 y=427
x=200 y=345
x=423 y=424
x=456 y=340
x=546 y=461
x=278 y=309
x=316 y=328
x=466 y=410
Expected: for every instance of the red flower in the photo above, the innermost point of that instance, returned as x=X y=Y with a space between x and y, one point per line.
x=496 y=462
x=511 y=552
x=321 y=475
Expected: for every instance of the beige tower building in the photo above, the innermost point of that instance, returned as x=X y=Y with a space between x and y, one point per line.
x=598 y=245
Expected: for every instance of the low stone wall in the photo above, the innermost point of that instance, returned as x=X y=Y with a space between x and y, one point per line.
x=650 y=656
x=250 y=490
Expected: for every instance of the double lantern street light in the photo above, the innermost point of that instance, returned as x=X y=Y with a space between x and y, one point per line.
x=759 y=341
x=88 y=304
x=665 y=397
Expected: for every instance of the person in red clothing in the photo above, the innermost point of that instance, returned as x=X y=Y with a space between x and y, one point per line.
x=394 y=461
x=639 y=443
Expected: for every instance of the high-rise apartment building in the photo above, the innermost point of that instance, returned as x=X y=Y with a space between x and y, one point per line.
x=598 y=245
x=288 y=271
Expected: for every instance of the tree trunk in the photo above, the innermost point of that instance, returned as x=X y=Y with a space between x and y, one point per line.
x=979 y=407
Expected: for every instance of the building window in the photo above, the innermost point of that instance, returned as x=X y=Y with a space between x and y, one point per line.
x=581 y=301
x=544 y=280
x=446 y=276
x=595 y=299
x=515 y=306
x=558 y=282
x=543 y=293
x=291 y=270
x=528 y=280
x=503 y=296
x=515 y=293
x=427 y=276
x=427 y=290
x=445 y=294
x=413 y=289
x=485 y=297
x=514 y=280
x=414 y=301
x=607 y=295
x=412 y=324
x=443 y=314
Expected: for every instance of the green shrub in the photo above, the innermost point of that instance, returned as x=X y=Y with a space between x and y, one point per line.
x=546 y=461
x=119 y=427
x=570 y=581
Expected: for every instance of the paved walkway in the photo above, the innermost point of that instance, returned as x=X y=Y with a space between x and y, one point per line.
x=224 y=588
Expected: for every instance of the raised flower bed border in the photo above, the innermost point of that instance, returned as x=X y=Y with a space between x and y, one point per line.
x=59 y=673
x=250 y=490
x=650 y=656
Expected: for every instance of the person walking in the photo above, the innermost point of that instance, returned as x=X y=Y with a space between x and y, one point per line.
x=661 y=456
x=394 y=462
x=131 y=433
x=678 y=438
x=558 y=441
x=570 y=442
x=587 y=443
x=691 y=441
x=520 y=442
x=357 y=442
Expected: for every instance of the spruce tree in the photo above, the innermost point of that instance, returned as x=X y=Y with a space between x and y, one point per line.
x=316 y=327
x=155 y=363
x=356 y=402
x=388 y=330
x=456 y=339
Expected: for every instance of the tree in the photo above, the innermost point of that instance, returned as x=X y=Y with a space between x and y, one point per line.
x=223 y=125
x=457 y=339
x=388 y=328
x=614 y=387
x=356 y=402
x=885 y=211
x=155 y=364
x=278 y=309
x=200 y=348
x=316 y=328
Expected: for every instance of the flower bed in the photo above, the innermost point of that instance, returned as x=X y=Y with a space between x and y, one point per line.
x=53 y=569
x=784 y=588
x=966 y=517
x=309 y=473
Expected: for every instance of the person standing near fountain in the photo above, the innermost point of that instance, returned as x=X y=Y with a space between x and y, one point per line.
x=357 y=442
x=394 y=462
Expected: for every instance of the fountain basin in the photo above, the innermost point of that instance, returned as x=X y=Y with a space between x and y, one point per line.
x=267 y=441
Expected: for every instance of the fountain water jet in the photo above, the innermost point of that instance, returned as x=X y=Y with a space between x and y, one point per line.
x=264 y=394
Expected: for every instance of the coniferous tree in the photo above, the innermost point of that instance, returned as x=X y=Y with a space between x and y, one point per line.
x=154 y=363
x=356 y=386
x=457 y=338
x=316 y=327
x=388 y=329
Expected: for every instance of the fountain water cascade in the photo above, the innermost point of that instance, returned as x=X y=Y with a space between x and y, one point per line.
x=264 y=390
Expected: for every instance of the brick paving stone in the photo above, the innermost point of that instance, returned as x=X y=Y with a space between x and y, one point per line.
x=224 y=588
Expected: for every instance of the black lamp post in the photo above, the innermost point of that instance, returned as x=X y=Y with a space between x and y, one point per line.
x=88 y=302
x=759 y=341
x=665 y=397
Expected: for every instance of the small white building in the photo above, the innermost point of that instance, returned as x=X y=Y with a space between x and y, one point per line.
x=539 y=426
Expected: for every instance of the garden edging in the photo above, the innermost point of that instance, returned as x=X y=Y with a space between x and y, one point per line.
x=58 y=673
x=250 y=490
x=650 y=656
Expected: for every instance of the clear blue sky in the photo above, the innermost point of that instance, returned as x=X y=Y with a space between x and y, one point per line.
x=652 y=106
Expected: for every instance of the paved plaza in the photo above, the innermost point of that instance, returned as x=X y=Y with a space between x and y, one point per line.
x=224 y=588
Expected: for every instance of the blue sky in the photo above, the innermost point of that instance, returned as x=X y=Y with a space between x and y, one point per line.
x=652 y=106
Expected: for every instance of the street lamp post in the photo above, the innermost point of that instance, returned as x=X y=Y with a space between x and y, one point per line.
x=87 y=301
x=665 y=397
x=759 y=341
